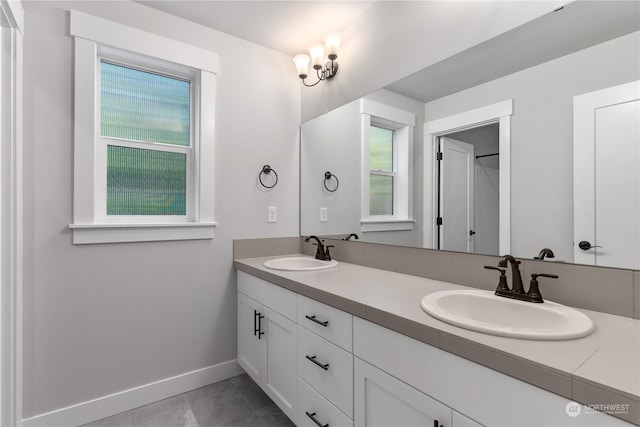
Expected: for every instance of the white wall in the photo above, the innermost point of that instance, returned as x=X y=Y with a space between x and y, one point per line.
x=415 y=35
x=99 y=319
x=542 y=136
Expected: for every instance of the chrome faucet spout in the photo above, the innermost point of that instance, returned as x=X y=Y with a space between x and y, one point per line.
x=516 y=278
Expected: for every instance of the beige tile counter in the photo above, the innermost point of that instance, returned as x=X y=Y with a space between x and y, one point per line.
x=602 y=368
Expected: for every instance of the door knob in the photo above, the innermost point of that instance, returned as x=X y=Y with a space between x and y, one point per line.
x=585 y=246
x=471 y=232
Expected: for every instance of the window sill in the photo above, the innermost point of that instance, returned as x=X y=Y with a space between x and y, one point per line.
x=369 y=225
x=124 y=233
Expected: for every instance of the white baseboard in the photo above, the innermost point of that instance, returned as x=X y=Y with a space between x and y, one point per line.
x=115 y=403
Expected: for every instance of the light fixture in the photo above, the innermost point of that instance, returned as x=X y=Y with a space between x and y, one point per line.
x=324 y=70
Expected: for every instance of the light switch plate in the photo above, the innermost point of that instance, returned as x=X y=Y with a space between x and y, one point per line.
x=272 y=214
x=323 y=215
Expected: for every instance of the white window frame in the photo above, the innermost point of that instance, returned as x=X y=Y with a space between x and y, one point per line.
x=403 y=123
x=96 y=38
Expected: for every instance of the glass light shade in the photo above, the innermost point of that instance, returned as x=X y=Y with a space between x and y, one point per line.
x=333 y=44
x=302 y=65
x=317 y=55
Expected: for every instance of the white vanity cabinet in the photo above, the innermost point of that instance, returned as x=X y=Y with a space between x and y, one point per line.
x=323 y=366
x=267 y=339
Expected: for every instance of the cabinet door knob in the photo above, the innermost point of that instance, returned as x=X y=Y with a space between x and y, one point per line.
x=315 y=420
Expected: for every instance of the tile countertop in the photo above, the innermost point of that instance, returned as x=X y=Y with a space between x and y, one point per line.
x=602 y=368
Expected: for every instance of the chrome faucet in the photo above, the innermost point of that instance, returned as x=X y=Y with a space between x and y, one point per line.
x=322 y=253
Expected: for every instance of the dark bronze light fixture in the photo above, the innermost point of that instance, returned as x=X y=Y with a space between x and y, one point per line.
x=324 y=70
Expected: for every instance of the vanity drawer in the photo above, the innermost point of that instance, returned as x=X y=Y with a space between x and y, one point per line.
x=277 y=298
x=328 y=322
x=312 y=404
x=327 y=368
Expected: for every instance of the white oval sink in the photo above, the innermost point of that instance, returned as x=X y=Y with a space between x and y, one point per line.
x=299 y=263
x=482 y=311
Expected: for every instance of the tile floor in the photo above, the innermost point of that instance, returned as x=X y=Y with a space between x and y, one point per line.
x=235 y=402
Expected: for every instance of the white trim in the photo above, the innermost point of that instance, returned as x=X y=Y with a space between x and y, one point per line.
x=11 y=214
x=86 y=216
x=102 y=407
x=403 y=123
x=469 y=119
x=13 y=13
x=114 y=233
x=495 y=113
x=123 y=37
x=386 y=112
x=367 y=226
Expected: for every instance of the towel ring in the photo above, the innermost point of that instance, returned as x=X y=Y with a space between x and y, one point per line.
x=327 y=176
x=266 y=170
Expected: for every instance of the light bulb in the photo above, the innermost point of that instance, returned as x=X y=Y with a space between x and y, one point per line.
x=317 y=55
x=332 y=41
x=302 y=65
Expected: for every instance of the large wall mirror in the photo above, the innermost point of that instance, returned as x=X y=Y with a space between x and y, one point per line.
x=477 y=153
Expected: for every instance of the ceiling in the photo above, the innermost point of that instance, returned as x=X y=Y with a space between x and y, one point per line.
x=577 y=26
x=285 y=26
x=291 y=26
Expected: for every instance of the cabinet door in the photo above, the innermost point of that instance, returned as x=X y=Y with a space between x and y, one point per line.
x=382 y=400
x=251 y=345
x=280 y=359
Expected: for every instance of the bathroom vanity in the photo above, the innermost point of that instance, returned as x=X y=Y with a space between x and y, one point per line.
x=350 y=345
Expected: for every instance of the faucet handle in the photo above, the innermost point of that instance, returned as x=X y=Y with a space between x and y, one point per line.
x=502 y=282
x=327 y=255
x=534 y=290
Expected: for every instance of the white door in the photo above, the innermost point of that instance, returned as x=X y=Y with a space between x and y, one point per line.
x=456 y=195
x=281 y=358
x=250 y=341
x=607 y=177
x=382 y=400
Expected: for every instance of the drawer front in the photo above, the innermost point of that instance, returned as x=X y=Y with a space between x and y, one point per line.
x=327 y=368
x=311 y=405
x=277 y=298
x=328 y=322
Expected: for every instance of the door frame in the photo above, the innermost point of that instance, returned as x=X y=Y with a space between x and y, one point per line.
x=500 y=113
x=584 y=107
x=11 y=226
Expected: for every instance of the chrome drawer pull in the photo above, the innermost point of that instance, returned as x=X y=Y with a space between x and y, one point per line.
x=313 y=359
x=313 y=319
x=315 y=420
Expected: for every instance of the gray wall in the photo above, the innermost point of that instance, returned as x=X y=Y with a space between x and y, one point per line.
x=99 y=319
x=542 y=135
x=414 y=36
x=333 y=142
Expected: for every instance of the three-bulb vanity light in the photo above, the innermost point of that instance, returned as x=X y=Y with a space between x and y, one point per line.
x=324 y=70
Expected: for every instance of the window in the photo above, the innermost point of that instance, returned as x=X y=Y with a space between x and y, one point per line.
x=143 y=142
x=145 y=145
x=382 y=174
x=387 y=143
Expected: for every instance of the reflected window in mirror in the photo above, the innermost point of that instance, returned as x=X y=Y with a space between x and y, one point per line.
x=387 y=176
x=383 y=170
